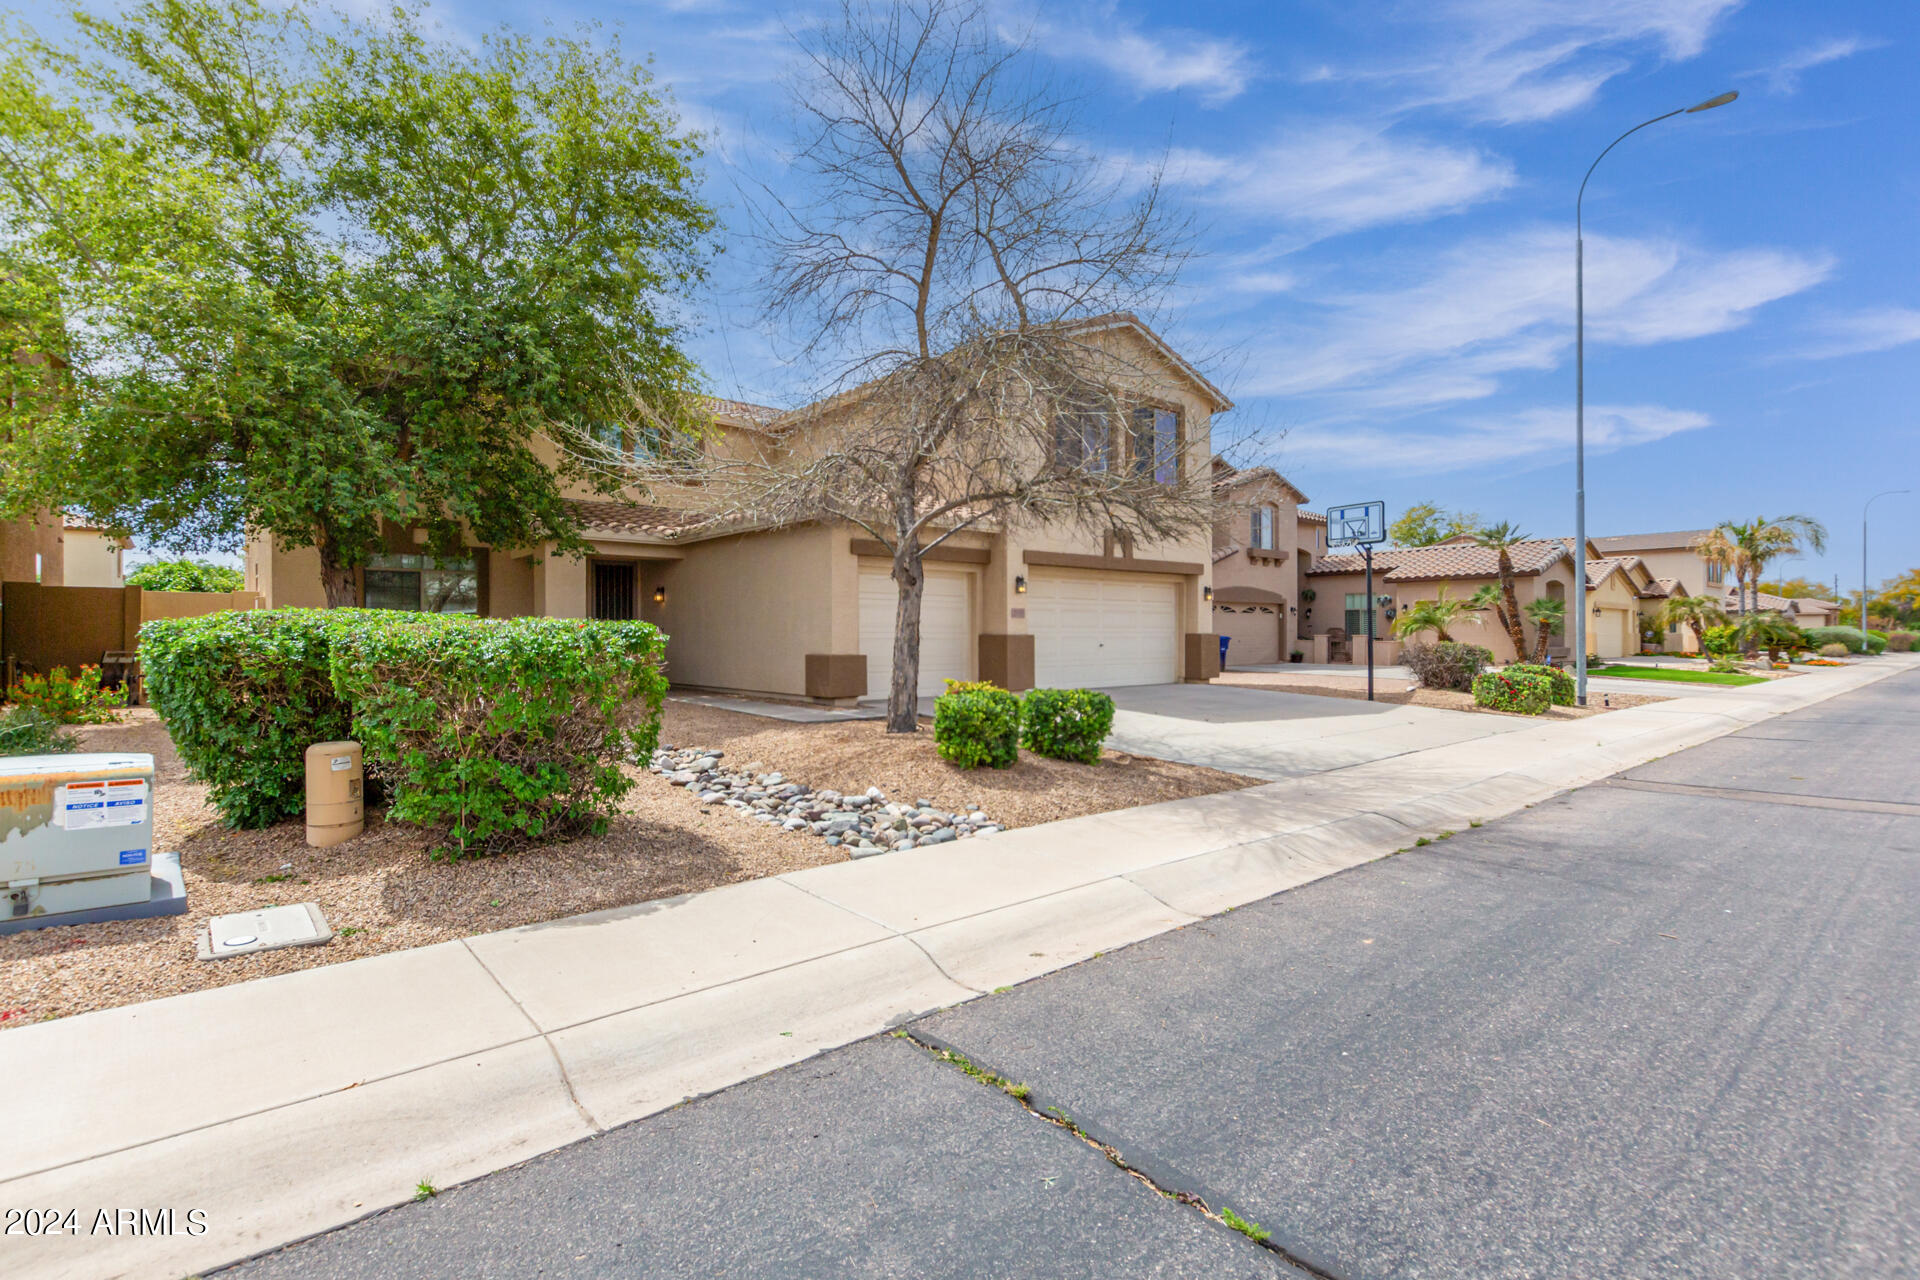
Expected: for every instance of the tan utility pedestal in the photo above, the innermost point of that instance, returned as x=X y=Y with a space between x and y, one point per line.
x=336 y=809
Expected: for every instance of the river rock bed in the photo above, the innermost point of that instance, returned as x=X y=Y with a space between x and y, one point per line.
x=865 y=823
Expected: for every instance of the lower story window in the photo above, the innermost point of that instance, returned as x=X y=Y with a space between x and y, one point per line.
x=1357 y=615
x=423 y=584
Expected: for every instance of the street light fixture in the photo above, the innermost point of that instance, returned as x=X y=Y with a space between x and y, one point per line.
x=1863 y=560
x=1580 y=393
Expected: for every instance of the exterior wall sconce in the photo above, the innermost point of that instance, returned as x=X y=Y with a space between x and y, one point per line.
x=1206 y=594
x=659 y=595
x=1019 y=586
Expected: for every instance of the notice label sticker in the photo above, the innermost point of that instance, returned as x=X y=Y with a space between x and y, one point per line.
x=340 y=764
x=78 y=806
x=132 y=857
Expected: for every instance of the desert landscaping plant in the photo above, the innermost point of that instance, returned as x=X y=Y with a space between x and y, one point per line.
x=976 y=723
x=1066 y=724
x=1501 y=539
x=1834 y=650
x=1848 y=637
x=25 y=731
x=1510 y=690
x=1901 y=641
x=1434 y=615
x=1449 y=665
x=503 y=732
x=1549 y=618
x=1560 y=685
x=68 y=699
x=1698 y=614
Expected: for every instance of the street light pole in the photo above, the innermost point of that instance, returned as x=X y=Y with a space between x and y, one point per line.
x=1863 y=560
x=1580 y=394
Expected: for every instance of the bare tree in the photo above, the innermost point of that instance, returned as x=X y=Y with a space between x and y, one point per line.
x=956 y=263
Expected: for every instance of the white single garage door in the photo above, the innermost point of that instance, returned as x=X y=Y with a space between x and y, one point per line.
x=946 y=629
x=1095 y=630
x=1254 y=631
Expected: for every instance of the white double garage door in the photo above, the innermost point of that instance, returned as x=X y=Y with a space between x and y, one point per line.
x=1090 y=630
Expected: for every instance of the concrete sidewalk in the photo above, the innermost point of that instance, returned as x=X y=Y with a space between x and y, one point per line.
x=290 y=1105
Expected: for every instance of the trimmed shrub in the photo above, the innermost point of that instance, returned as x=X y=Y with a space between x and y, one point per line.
x=1508 y=690
x=244 y=693
x=1876 y=643
x=1446 y=664
x=27 y=732
x=1901 y=641
x=1066 y=724
x=976 y=722
x=1833 y=651
x=1848 y=636
x=506 y=732
x=1720 y=639
x=68 y=699
x=1561 y=687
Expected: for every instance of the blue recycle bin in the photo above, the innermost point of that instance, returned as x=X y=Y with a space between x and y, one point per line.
x=1224 y=642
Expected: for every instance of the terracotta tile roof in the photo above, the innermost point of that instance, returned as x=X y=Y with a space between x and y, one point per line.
x=1221 y=553
x=1770 y=603
x=1227 y=476
x=634 y=518
x=1447 y=560
x=1682 y=540
x=1597 y=570
x=1312 y=517
x=759 y=415
x=1661 y=589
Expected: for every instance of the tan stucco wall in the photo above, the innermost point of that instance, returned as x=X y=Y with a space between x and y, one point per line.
x=21 y=541
x=92 y=559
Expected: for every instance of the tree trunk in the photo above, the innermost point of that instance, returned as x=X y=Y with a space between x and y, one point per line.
x=336 y=579
x=1543 y=631
x=1511 y=612
x=903 y=699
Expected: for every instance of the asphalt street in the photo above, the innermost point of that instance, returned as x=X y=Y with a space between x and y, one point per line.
x=1663 y=1026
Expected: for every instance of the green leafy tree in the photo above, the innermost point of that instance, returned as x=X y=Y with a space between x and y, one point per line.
x=1799 y=588
x=186 y=575
x=307 y=284
x=1425 y=523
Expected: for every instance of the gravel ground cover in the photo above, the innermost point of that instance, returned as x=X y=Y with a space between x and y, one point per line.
x=381 y=893
x=1396 y=691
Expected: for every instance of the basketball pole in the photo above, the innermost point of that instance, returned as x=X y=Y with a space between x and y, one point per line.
x=1366 y=553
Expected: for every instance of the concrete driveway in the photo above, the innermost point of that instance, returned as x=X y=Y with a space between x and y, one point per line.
x=1264 y=733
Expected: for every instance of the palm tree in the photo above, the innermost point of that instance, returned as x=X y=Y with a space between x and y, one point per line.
x=1434 y=615
x=1696 y=613
x=1501 y=539
x=1748 y=548
x=1549 y=617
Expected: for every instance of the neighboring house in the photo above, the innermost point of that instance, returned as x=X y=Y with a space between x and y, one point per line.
x=33 y=549
x=1542 y=569
x=808 y=611
x=1670 y=555
x=93 y=556
x=1256 y=578
x=1803 y=611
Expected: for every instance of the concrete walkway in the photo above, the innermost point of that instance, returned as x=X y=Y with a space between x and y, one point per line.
x=293 y=1104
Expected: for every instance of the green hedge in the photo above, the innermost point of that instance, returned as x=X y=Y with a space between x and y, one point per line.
x=975 y=724
x=1560 y=684
x=1067 y=724
x=1508 y=690
x=1848 y=636
x=244 y=694
x=505 y=733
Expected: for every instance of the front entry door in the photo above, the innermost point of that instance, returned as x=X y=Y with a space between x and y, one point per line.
x=613 y=589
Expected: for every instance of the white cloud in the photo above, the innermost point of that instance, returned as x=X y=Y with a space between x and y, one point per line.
x=1875 y=329
x=1528 y=435
x=1784 y=76
x=1337 y=176
x=1504 y=304
x=1163 y=60
x=1517 y=60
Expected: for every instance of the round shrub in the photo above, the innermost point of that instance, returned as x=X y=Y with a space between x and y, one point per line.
x=1721 y=639
x=1901 y=641
x=1447 y=664
x=1508 y=690
x=1560 y=684
x=976 y=723
x=1066 y=724
x=504 y=732
x=1833 y=651
x=244 y=693
x=1820 y=637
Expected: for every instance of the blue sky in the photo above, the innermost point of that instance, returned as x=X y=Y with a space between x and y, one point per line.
x=1385 y=195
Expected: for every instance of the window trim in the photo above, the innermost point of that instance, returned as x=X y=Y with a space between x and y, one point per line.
x=1177 y=445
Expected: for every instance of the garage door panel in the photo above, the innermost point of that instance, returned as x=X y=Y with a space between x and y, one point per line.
x=1096 y=631
x=1254 y=630
x=946 y=629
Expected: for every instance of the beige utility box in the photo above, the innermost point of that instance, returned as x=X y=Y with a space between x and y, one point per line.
x=336 y=793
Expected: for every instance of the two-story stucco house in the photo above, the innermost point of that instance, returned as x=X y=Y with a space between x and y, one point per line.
x=1256 y=563
x=807 y=611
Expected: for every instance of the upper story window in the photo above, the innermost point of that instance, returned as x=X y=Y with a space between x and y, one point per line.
x=1156 y=443
x=1261 y=534
x=1716 y=572
x=1082 y=440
